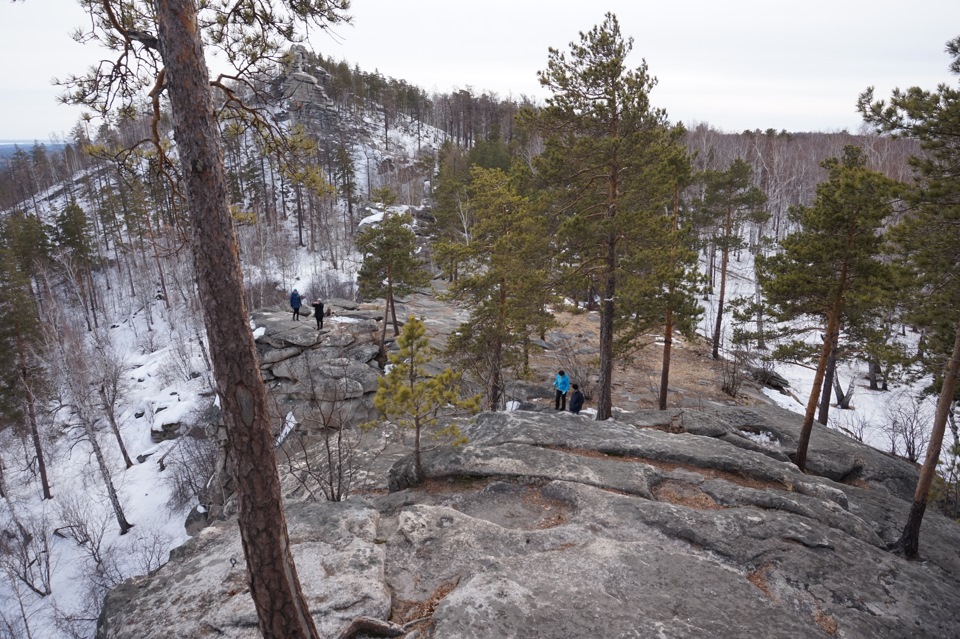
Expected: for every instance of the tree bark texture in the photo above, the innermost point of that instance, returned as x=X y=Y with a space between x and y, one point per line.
x=807 y=428
x=668 y=315
x=605 y=401
x=91 y=434
x=823 y=415
x=274 y=585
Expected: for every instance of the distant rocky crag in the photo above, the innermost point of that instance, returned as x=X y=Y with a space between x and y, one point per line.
x=680 y=524
x=305 y=368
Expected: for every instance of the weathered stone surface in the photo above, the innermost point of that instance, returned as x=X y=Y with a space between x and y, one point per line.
x=341 y=303
x=315 y=374
x=202 y=591
x=273 y=355
x=548 y=525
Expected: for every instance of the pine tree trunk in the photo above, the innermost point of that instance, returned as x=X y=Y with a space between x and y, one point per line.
x=909 y=543
x=873 y=373
x=299 y=192
x=274 y=585
x=828 y=381
x=724 y=260
x=761 y=338
x=807 y=428
x=665 y=371
x=668 y=317
x=607 y=308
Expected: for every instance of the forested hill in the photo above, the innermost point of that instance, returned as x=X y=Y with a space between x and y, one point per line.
x=107 y=411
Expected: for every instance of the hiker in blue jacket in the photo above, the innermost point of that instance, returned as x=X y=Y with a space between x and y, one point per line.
x=295 y=303
x=562 y=384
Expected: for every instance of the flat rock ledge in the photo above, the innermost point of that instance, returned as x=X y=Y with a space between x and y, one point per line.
x=678 y=524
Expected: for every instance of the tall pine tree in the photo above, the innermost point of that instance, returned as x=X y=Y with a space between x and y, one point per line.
x=928 y=240
x=507 y=263
x=608 y=155
x=833 y=258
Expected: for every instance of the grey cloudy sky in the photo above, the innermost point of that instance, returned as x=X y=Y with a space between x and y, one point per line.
x=739 y=64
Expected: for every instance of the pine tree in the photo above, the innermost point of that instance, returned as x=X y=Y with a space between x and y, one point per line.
x=729 y=200
x=927 y=240
x=23 y=247
x=416 y=400
x=390 y=266
x=608 y=155
x=505 y=276
x=681 y=308
x=834 y=258
x=452 y=223
x=164 y=42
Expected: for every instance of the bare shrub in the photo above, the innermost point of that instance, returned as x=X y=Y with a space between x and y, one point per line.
x=734 y=371
x=853 y=424
x=191 y=465
x=85 y=525
x=907 y=419
x=182 y=361
x=330 y=284
x=320 y=450
x=18 y=597
x=151 y=549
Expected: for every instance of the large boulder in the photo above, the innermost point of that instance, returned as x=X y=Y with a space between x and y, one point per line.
x=318 y=373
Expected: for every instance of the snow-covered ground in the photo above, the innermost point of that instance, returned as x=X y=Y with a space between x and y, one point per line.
x=50 y=583
x=877 y=418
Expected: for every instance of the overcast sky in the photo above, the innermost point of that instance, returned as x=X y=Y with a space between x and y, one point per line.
x=739 y=64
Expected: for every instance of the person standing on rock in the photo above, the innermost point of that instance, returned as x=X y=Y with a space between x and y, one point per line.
x=562 y=384
x=318 y=311
x=576 y=400
x=295 y=303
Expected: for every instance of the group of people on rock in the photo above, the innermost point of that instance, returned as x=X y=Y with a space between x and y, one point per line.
x=562 y=384
x=296 y=302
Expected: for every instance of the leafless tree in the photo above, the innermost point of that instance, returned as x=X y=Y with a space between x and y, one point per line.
x=321 y=449
x=25 y=555
x=109 y=368
x=906 y=423
x=190 y=467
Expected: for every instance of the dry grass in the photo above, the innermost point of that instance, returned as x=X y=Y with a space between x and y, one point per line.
x=760 y=578
x=827 y=623
x=684 y=494
x=406 y=611
x=693 y=373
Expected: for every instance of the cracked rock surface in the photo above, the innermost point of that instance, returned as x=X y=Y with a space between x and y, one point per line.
x=680 y=524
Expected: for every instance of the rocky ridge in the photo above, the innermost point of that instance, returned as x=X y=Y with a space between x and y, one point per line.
x=678 y=524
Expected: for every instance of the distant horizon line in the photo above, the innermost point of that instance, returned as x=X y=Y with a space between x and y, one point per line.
x=29 y=141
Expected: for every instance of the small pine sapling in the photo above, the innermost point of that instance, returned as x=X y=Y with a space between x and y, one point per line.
x=413 y=398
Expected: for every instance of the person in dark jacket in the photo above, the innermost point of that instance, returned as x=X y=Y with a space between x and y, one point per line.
x=318 y=311
x=576 y=400
x=562 y=384
x=295 y=303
